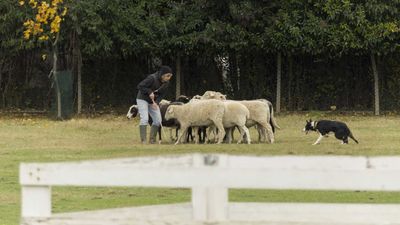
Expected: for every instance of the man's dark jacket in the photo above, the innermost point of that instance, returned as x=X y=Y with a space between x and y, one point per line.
x=152 y=83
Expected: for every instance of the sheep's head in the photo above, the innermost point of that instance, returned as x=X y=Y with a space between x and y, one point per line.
x=183 y=98
x=170 y=113
x=198 y=97
x=214 y=95
x=132 y=112
x=164 y=102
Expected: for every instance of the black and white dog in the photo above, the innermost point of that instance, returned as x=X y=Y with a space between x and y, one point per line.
x=324 y=127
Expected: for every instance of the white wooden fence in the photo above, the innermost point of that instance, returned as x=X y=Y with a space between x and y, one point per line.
x=209 y=177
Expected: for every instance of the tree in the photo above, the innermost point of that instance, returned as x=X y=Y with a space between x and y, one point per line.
x=10 y=29
x=45 y=26
x=183 y=37
x=296 y=28
x=369 y=28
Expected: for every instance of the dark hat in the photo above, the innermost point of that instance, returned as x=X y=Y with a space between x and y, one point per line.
x=165 y=69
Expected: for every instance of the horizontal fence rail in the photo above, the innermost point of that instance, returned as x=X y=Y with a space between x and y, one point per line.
x=210 y=176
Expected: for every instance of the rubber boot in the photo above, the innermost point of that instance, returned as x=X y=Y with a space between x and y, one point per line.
x=143 y=133
x=153 y=134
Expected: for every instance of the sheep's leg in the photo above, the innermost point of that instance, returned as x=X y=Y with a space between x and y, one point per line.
x=192 y=133
x=263 y=134
x=221 y=131
x=185 y=135
x=270 y=134
x=159 y=135
x=215 y=133
x=228 y=135
x=241 y=136
x=211 y=129
x=268 y=128
x=207 y=138
x=184 y=129
x=170 y=135
x=260 y=133
x=203 y=132
x=189 y=135
x=244 y=133
x=199 y=134
x=196 y=137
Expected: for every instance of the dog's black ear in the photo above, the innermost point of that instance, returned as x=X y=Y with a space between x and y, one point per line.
x=310 y=120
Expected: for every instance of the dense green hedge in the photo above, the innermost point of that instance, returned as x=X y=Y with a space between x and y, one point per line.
x=326 y=48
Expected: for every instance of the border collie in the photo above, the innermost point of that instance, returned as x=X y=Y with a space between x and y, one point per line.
x=324 y=127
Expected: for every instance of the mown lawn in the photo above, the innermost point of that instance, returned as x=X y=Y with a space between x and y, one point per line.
x=41 y=139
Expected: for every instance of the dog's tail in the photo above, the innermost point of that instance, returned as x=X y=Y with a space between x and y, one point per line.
x=272 y=120
x=352 y=137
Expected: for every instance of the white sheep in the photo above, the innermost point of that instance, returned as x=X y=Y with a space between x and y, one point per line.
x=164 y=102
x=274 y=124
x=236 y=115
x=196 y=97
x=261 y=114
x=199 y=113
x=213 y=95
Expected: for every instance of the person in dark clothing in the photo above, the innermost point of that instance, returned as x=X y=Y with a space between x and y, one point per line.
x=151 y=91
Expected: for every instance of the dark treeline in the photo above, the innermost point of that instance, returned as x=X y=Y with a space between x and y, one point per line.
x=301 y=55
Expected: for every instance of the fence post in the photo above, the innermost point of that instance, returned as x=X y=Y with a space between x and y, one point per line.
x=36 y=201
x=210 y=203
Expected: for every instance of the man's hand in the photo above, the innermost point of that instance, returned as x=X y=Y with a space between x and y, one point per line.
x=154 y=104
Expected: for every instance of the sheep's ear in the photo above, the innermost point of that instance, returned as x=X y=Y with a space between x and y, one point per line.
x=170 y=110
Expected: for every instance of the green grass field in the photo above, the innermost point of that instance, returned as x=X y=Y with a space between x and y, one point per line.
x=43 y=140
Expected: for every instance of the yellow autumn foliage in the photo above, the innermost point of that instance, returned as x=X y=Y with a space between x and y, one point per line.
x=55 y=25
x=47 y=19
x=44 y=38
x=64 y=12
x=33 y=3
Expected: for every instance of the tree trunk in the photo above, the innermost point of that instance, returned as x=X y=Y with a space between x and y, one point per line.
x=6 y=87
x=77 y=64
x=278 y=82
x=79 y=80
x=232 y=63
x=54 y=71
x=223 y=64
x=376 y=84
x=298 y=95
x=178 y=77
x=290 y=79
x=1 y=77
x=237 y=72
